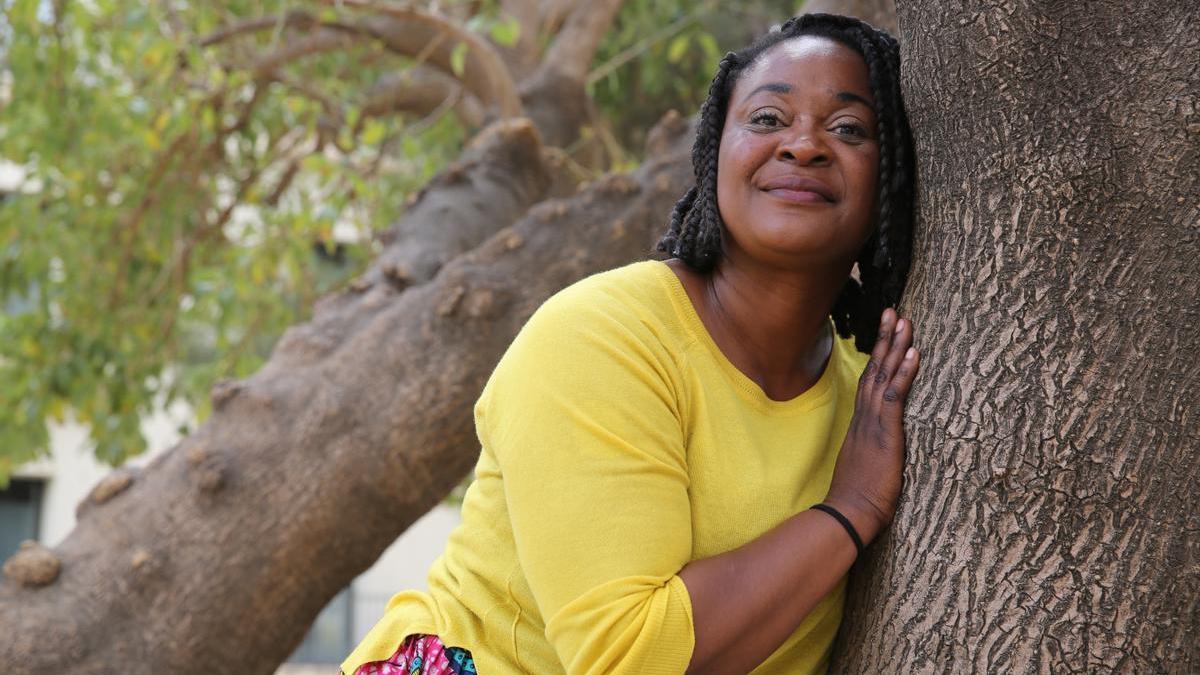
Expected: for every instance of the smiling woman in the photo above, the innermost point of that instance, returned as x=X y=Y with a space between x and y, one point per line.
x=681 y=459
x=797 y=160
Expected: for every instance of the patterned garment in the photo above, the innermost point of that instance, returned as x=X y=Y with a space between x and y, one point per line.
x=422 y=655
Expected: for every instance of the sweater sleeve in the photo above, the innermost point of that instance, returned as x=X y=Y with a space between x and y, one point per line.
x=583 y=420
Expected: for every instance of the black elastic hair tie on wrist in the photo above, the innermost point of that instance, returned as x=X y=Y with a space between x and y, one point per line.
x=837 y=515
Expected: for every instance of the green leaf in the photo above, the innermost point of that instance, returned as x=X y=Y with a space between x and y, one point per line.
x=458 y=59
x=374 y=132
x=709 y=44
x=678 y=48
x=507 y=32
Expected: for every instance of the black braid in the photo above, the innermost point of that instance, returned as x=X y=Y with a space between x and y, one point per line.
x=694 y=234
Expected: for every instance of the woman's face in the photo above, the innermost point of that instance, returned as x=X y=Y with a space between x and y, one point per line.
x=798 y=167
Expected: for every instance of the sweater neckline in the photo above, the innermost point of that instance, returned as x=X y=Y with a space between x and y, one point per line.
x=814 y=396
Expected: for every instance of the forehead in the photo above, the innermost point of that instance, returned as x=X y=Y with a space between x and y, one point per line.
x=807 y=60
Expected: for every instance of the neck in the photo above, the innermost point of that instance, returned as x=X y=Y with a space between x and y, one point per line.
x=773 y=324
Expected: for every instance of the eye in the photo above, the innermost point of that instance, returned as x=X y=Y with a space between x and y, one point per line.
x=766 y=118
x=851 y=130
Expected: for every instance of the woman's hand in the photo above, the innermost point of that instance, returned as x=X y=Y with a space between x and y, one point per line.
x=866 y=480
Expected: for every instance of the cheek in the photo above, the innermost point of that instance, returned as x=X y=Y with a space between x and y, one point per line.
x=866 y=180
x=728 y=177
x=737 y=159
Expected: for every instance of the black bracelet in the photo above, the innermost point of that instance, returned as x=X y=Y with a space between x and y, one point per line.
x=845 y=523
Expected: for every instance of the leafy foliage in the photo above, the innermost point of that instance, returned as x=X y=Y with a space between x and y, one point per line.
x=180 y=204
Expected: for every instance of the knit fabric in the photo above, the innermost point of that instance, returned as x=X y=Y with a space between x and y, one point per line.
x=618 y=444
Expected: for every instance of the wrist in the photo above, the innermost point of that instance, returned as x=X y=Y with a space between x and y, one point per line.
x=863 y=516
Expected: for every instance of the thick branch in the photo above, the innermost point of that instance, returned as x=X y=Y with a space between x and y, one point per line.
x=522 y=57
x=421 y=91
x=427 y=37
x=555 y=12
x=573 y=49
x=555 y=96
x=319 y=42
x=294 y=19
x=414 y=32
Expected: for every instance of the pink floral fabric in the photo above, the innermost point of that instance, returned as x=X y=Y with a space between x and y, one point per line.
x=422 y=655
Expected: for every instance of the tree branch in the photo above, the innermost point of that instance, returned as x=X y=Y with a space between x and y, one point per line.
x=424 y=36
x=411 y=31
x=421 y=91
x=293 y=19
x=573 y=49
x=323 y=40
x=555 y=12
x=522 y=57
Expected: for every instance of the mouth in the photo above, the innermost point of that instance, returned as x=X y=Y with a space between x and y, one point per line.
x=799 y=190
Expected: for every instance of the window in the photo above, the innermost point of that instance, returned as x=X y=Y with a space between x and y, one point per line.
x=20 y=507
x=328 y=641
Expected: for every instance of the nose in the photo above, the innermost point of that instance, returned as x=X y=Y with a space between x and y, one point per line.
x=804 y=145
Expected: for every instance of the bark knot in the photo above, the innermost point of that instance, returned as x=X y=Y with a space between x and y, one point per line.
x=514 y=130
x=145 y=562
x=208 y=469
x=512 y=240
x=33 y=565
x=450 y=300
x=397 y=274
x=223 y=391
x=548 y=211
x=480 y=303
x=617 y=185
x=110 y=486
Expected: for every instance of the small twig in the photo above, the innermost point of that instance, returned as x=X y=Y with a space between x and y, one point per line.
x=638 y=48
x=295 y=19
x=129 y=232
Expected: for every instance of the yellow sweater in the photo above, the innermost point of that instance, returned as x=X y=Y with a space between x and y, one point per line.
x=618 y=444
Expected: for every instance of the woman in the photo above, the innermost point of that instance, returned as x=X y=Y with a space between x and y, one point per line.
x=680 y=460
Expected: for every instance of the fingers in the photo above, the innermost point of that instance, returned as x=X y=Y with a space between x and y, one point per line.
x=901 y=340
x=883 y=343
x=893 y=365
x=897 y=392
x=896 y=374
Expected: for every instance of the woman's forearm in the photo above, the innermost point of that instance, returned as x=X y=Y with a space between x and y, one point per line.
x=747 y=601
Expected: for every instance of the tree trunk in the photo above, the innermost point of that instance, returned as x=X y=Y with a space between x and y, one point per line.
x=1051 y=517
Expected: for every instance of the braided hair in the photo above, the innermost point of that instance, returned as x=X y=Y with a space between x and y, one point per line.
x=694 y=234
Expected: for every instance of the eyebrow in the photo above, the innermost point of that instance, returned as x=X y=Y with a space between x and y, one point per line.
x=851 y=97
x=776 y=87
x=785 y=88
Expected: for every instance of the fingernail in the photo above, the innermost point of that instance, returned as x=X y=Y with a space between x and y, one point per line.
x=910 y=354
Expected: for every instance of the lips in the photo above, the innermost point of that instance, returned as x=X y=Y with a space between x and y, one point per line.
x=799 y=189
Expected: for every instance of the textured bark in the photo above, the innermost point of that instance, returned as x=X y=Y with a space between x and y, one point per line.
x=1051 y=514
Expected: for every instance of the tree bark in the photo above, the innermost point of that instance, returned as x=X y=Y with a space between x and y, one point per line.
x=1051 y=514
